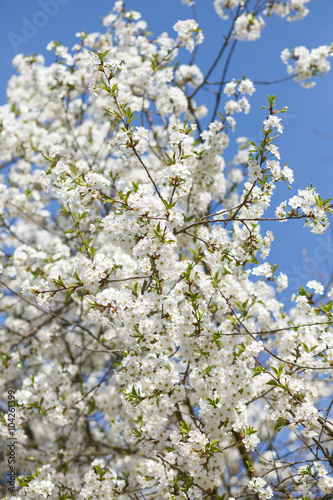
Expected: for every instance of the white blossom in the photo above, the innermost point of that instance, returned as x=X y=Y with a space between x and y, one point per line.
x=145 y=349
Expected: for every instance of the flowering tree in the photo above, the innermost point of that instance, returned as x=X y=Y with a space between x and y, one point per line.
x=144 y=351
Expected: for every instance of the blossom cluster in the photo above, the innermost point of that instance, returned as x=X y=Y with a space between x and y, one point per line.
x=143 y=331
x=305 y=64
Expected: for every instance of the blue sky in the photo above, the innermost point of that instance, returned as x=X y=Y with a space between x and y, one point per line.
x=307 y=144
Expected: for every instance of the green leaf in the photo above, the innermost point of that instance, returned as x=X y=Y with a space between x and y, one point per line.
x=281 y=422
x=249 y=466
